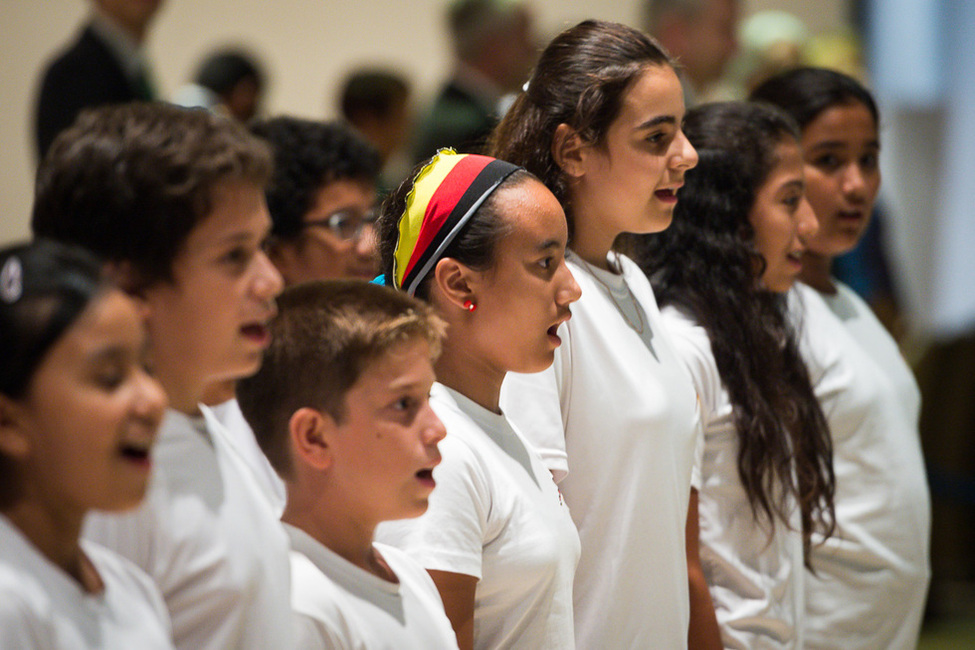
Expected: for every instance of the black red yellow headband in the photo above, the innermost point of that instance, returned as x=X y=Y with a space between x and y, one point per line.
x=445 y=195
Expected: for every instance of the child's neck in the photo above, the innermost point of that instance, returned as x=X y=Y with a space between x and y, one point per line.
x=55 y=534
x=342 y=533
x=470 y=376
x=185 y=393
x=817 y=272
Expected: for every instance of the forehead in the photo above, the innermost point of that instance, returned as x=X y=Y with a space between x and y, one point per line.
x=534 y=215
x=656 y=92
x=341 y=194
x=110 y=319
x=237 y=210
x=844 y=123
x=403 y=364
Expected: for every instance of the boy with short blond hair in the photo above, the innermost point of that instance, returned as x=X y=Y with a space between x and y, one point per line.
x=341 y=409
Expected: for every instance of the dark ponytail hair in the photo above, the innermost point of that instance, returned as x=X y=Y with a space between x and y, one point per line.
x=44 y=287
x=706 y=263
x=580 y=80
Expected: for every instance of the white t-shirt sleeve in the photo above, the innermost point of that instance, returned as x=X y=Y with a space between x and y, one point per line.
x=693 y=347
x=537 y=399
x=451 y=535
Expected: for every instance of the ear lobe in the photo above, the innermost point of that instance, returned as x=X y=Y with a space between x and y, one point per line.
x=310 y=432
x=13 y=442
x=569 y=151
x=454 y=281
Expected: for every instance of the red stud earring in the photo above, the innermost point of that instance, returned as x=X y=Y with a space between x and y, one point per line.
x=470 y=305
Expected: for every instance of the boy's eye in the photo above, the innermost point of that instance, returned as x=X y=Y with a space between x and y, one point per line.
x=404 y=404
x=110 y=377
x=237 y=257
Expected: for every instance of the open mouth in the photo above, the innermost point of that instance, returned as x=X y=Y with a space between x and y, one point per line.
x=668 y=195
x=257 y=332
x=425 y=476
x=135 y=453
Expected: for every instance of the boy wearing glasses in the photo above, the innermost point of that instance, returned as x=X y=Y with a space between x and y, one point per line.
x=321 y=198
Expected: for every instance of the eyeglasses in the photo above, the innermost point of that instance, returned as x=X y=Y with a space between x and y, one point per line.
x=347 y=224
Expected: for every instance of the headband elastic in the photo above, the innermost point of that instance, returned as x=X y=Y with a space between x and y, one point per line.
x=445 y=195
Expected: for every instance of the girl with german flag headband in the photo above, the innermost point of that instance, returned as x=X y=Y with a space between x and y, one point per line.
x=484 y=242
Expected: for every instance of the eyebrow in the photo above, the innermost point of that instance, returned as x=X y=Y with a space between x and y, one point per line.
x=836 y=144
x=548 y=243
x=655 y=121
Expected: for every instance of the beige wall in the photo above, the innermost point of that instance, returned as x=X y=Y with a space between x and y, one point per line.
x=306 y=44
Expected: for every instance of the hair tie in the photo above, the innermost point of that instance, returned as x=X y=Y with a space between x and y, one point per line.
x=445 y=195
x=11 y=280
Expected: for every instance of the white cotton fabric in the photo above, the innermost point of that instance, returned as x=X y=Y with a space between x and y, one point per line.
x=496 y=514
x=42 y=607
x=210 y=539
x=339 y=606
x=756 y=578
x=872 y=574
x=242 y=437
x=616 y=419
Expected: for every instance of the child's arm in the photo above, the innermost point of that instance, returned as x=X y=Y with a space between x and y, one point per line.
x=703 y=633
x=457 y=592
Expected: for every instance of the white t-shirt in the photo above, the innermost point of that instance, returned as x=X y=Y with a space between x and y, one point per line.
x=756 y=580
x=241 y=436
x=42 y=607
x=340 y=606
x=209 y=538
x=496 y=514
x=622 y=420
x=872 y=574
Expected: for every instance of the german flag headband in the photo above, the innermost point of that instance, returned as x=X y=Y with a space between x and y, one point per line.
x=445 y=195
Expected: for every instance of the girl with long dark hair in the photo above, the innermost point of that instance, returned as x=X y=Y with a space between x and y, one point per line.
x=616 y=417
x=721 y=271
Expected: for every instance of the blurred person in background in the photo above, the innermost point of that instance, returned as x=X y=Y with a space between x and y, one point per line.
x=107 y=64
x=701 y=36
x=377 y=103
x=228 y=81
x=494 y=50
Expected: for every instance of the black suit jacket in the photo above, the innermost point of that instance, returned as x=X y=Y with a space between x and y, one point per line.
x=85 y=75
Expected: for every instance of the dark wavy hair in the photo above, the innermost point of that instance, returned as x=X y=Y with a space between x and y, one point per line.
x=309 y=155
x=804 y=93
x=580 y=80
x=706 y=264
x=476 y=243
x=130 y=182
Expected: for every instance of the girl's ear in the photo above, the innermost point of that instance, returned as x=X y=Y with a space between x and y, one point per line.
x=456 y=283
x=569 y=151
x=14 y=442
x=311 y=433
